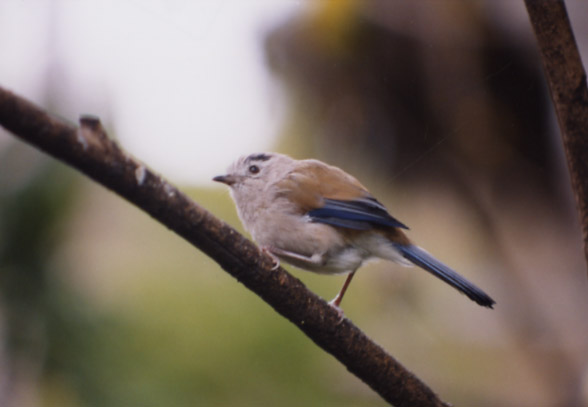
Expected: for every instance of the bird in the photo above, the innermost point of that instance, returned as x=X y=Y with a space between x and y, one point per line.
x=319 y=218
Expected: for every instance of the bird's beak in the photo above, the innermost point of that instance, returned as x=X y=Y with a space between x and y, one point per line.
x=225 y=179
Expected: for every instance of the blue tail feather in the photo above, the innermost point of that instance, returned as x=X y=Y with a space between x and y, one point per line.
x=424 y=260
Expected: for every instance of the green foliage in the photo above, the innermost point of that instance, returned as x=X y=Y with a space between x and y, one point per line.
x=35 y=197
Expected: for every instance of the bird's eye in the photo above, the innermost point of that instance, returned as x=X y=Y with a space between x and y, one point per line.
x=254 y=169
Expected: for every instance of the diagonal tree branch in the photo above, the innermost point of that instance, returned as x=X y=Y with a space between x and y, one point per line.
x=88 y=149
x=567 y=83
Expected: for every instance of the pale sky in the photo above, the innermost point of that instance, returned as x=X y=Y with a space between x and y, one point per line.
x=184 y=83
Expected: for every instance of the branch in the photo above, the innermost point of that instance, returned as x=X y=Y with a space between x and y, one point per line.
x=567 y=83
x=88 y=149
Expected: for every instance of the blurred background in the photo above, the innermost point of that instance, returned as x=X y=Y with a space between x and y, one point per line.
x=440 y=108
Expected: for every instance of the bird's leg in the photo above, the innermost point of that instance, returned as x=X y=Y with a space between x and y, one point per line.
x=335 y=302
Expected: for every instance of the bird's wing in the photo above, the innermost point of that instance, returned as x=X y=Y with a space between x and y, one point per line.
x=360 y=214
x=329 y=195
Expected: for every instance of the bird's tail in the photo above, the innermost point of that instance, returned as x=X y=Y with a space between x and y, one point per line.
x=423 y=259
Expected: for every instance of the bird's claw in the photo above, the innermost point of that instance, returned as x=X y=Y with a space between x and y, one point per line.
x=335 y=305
x=275 y=260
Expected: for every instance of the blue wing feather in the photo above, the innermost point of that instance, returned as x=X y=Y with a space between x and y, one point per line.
x=361 y=214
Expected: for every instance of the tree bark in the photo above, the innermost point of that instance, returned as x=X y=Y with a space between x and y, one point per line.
x=567 y=83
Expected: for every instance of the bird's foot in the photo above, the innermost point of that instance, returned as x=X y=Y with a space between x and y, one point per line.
x=267 y=250
x=334 y=303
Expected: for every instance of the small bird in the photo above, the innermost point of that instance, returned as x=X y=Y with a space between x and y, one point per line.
x=319 y=218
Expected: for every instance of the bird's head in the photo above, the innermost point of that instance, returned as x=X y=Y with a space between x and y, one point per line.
x=250 y=174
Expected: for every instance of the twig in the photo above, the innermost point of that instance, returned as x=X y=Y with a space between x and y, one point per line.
x=88 y=149
x=567 y=83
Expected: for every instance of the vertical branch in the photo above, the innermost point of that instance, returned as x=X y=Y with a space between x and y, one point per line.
x=567 y=83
